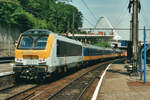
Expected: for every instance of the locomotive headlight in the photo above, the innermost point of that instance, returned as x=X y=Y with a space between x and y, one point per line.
x=42 y=60
x=19 y=60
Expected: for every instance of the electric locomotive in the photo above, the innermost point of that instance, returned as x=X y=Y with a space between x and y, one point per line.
x=40 y=52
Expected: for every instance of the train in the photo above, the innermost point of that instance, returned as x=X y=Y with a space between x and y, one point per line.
x=39 y=53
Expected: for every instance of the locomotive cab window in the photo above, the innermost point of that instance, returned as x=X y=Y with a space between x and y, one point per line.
x=33 y=42
x=25 y=42
x=40 y=42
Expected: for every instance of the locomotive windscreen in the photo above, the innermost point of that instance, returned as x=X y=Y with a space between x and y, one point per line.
x=33 y=42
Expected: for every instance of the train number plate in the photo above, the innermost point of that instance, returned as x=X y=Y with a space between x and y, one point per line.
x=31 y=62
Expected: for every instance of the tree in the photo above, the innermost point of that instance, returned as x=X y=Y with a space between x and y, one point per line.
x=26 y=14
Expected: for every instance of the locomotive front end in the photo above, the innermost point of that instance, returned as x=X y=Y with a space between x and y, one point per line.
x=32 y=53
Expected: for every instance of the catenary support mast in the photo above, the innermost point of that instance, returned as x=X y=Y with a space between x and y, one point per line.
x=135 y=4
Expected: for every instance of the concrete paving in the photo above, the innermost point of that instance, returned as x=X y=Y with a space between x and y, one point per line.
x=118 y=85
x=6 y=67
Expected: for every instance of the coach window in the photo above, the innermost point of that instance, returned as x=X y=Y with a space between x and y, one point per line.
x=58 y=48
x=68 y=49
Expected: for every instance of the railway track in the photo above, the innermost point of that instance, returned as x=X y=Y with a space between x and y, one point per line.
x=6 y=80
x=21 y=90
x=68 y=87
x=9 y=88
x=76 y=89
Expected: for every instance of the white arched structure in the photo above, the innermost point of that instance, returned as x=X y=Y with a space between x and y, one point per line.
x=116 y=36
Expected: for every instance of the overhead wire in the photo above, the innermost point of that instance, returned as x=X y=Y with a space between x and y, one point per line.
x=144 y=20
x=96 y=18
x=92 y=25
x=143 y=16
x=88 y=21
x=122 y=14
x=89 y=10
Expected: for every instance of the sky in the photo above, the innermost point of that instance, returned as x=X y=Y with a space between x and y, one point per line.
x=116 y=11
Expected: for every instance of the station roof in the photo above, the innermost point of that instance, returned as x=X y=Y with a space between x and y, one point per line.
x=87 y=36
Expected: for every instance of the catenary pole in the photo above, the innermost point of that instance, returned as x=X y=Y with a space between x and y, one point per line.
x=135 y=34
x=135 y=5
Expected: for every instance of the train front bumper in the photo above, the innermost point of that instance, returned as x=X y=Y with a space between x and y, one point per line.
x=35 y=68
x=29 y=72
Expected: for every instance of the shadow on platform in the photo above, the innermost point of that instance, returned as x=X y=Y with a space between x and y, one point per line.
x=118 y=71
x=122 y=61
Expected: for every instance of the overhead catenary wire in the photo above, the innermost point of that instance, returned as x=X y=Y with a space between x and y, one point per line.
x=88 y=21
x=144 y=15
x=144 y=19
x=113 y=29
x=123 y=14
x=94 y=16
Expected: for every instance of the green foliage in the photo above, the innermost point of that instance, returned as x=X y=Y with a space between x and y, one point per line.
x=27 y=14
x=82 y=32
x=26 y=21
x=102 y=44
x=6 y=11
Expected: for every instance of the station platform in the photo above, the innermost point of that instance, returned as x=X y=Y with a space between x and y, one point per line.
x=6 y=67
x=117 y=84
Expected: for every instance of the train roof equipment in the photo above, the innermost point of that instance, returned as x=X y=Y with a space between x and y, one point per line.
x=36 y=32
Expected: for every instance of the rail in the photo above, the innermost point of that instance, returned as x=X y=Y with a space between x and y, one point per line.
x=79 y=86
x=80 y=80
x=25 y=98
